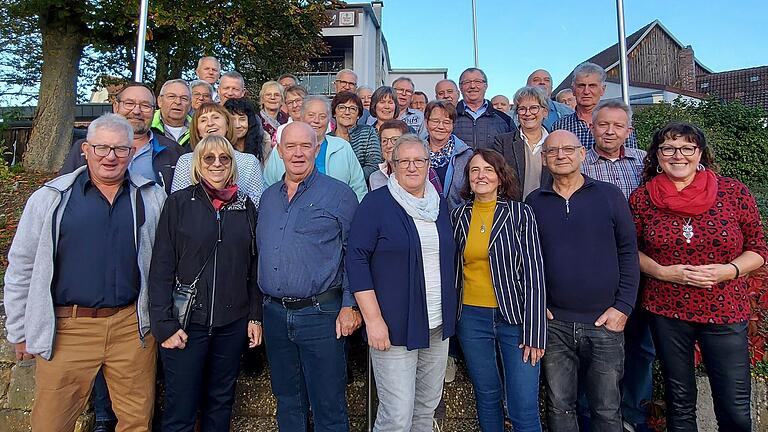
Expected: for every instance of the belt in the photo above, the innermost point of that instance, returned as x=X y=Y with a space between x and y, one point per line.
x=301 y=303
x=76 y=311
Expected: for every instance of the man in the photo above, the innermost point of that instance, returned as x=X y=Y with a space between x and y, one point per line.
x=566 y=97
x=209 y=70
x=202 y=92
x=172 y=116
x=335 y=157
x=419 y=101
x=589 y=245
x=404 y=89
x=477 y=122
x=610 y=161
x=304 y=221
x=501 y=103
x=232 y=86
x=346 y=80
x=447 y=90
x=154 y=156
x=287 y=80
x=542 y=78
x=588 y=87
x=79 y=309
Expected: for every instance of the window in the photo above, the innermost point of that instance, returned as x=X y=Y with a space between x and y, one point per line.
x=704 y=85
x=754 y=78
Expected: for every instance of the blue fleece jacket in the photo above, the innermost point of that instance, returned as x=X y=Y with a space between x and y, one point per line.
x=590 y=250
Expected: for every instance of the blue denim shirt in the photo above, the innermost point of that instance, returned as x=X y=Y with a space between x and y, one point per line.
x=302 y=242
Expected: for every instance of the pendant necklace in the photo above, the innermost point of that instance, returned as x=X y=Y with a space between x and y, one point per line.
x=482 y=225
x=687 y=230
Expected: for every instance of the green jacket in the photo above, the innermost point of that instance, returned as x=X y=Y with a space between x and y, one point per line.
x=159 y=127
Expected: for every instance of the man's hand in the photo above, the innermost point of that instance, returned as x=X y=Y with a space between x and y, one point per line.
x=21 y=351
x=254 y=335
x=177 y=340
x=613 y=319
x=535 y=354
x=378 y=335
x=347 y=322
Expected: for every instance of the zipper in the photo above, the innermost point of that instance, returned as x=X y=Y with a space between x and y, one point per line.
x=567 y=208
x=215 y=256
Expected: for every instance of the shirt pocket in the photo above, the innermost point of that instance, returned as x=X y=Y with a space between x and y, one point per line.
x=315 y=220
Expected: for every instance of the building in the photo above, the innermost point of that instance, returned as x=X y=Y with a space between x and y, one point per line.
x=661 y=69
x=356 y=41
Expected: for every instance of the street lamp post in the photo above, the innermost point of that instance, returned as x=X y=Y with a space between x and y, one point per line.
x=138 y=73
x=474 y=29
x=622 y=51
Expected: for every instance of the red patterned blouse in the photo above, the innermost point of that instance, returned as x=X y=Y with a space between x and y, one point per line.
x=730 y=227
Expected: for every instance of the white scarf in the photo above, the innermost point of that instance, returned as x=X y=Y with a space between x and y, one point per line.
x=426 y=209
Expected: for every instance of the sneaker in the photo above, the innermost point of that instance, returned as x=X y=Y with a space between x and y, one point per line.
x=627 y=426
x=450 y=370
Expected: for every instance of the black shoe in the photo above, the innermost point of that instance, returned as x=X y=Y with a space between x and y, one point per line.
x=104 y=426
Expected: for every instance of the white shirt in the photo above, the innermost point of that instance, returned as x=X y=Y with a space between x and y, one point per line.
x=430 y=252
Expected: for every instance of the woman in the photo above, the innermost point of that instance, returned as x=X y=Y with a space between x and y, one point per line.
x=501 y=292
x=383 y=106
x=249 y=134
x=365 y=93
x=522 y=148
x=401 y=269
x=448 y=154
x=347 y=109
x=213 y=119
x=294 y=100
x=390 y=132
x=205 y=237
x=270 y=101
x=699 y=234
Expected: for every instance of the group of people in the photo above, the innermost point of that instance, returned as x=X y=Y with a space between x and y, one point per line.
x=198 y=225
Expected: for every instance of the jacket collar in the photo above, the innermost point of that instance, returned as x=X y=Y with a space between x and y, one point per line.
x=65 y=182
x=549 y=186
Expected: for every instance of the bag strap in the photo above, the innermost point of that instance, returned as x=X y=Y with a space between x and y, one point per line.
x=197 y=277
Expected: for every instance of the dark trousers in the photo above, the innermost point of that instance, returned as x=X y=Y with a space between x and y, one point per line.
x=637 y=385
x=599 y=353
x=203 y=376
x=725 y=353
x=308 y=366
x=102 y=406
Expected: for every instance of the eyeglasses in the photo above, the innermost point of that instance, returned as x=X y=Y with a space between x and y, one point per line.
x=143 y=106
x=197 y=95
x=468 y=83
x=346 y=108
x=176 y=98
x=390 y=141
x=567 y=150
x=533 y=109
x=102 y=150
x=404 y=91
x=210 y=159
x=346 y=83
x=406 y=163
x=294 y=102
x=670 y=151
x=438 y=122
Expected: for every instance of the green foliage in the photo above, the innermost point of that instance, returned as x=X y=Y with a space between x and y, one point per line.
x=736 y=133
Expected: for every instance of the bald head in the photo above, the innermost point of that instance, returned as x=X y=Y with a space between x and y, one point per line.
x=562 y=154
x=541 y=77
x=297 y=129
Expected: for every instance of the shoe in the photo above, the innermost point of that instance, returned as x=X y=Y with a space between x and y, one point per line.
x=450 y=370
x=104 y=426
x=627 y=426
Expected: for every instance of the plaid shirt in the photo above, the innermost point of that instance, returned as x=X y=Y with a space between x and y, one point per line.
x=580 y=128
x=624 y=172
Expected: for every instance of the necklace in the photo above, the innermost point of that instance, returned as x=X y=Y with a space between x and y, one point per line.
x=482 y=225
x=687 y=230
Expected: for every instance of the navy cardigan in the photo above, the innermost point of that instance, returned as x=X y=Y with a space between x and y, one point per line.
x=384 y=254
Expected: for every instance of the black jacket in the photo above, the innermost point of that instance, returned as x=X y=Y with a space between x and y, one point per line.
x=480 y=132
x=512 y=147
x=186 y=234
x=165 y=153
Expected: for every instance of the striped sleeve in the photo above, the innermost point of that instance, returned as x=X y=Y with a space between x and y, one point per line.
x=535 y=314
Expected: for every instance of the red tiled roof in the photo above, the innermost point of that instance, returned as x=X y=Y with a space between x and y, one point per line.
x=749 y=85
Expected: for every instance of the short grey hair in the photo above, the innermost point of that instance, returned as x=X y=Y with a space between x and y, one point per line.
x=404 y=78
x=534 y=92
x=172 y=82
x=201 y=83
x=363 y=87
x=588 y=68
x=110 y=122
x=202 y=59
x=346 y=71
x=613 y=103
x=410 y=138
x=236 y=75
x=473 y=69
x=562 y=92
x=456 y=86
x=316 y=98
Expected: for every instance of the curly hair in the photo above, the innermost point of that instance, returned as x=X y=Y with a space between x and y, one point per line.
x=508 y=189
x=674 y=130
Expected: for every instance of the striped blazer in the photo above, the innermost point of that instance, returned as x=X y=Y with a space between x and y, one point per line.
x=517 y=267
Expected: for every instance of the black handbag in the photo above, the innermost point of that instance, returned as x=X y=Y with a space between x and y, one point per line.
x=184 y=294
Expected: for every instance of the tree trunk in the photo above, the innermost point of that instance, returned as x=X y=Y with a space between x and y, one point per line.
x=51 y=134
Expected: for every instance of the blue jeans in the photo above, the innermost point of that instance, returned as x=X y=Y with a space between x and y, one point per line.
x=599 y=353
x=481 y=330
x=102 y=405
x=308 y=366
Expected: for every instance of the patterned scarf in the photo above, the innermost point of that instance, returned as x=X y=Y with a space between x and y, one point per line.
x=443 y=156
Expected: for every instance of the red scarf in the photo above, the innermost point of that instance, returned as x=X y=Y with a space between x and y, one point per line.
x=219 y=197
x=694 y=199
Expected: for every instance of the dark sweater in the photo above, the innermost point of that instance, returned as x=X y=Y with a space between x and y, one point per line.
x=590 y=250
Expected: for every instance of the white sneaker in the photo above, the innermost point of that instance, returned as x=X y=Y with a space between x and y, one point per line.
x=450 y=370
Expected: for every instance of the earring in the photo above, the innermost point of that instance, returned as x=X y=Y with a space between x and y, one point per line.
x=658 y=169
x=700 y=167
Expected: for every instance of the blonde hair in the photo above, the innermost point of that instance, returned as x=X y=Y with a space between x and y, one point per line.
x=206 y=145
x=194 y=133
x=266 y=86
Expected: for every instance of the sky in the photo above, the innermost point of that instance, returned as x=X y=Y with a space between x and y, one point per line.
x=517 y=37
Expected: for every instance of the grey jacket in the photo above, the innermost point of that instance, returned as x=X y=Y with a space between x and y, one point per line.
x=28 y=299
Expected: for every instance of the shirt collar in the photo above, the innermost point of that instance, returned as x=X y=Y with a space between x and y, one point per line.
x=538 y=145
x=593 y=156
x=304 y=184
x=84 y=182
